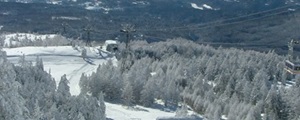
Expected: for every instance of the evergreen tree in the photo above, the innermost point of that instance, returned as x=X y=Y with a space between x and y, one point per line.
x=63 y=91
x=127 y=94
x=39 y=63
x=84 y=84
x=182 y=112
x=147 y=94
x=37 y=112
x=276 y=108
x=171 y=94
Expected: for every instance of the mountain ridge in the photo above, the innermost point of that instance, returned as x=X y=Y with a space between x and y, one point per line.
x=158 y=20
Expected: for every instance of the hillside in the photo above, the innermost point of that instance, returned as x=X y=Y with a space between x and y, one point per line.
x=217 y=24
x=62 y=60
x=147 y=60
x=160 y=81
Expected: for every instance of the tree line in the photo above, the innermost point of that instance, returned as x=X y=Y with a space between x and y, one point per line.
x=215 y=82
x=238 y=84
x=27 y=92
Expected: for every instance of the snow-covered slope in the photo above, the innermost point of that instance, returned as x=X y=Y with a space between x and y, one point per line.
x=23 y=36
x=21 y=39
x=62 y=60
x=120 y=112
x=202 y=7
x=194 y=5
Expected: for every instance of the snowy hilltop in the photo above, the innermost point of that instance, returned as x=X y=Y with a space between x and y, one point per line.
x=171 y=80
x=69 y=66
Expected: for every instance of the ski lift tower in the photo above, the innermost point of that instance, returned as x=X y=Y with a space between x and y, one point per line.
x=127 y=53
x=291 y=65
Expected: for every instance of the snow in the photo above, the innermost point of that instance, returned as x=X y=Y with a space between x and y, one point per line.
x=54 y=2
x=105 y=9
x=24 y=2
x=60 y=60
x=290 y=9
x=194 y=5
x=120 y=112
x=59 y=50
x=32 y=37
x=287 y=85
x=153 y=73
x=224 y=117
x=204 y=6
x=141 y=3
x=5 y=13
x=17 y=37
x=207 y=6
x=211 y=83
x=231 y=0
x=95 y=6
x=111 y=42
x=65 y=18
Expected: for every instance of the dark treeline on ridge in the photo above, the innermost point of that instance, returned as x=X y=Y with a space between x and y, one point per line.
x=270 y=30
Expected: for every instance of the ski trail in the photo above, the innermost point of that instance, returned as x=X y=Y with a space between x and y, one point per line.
x=111 y=109
x=77 y=71
x=60 y=60
x=74 y=76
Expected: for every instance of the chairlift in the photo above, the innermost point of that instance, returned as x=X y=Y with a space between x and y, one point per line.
x=292 y=66
x=111 y=46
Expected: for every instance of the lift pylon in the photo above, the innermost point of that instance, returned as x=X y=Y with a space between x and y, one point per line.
x=291 y=65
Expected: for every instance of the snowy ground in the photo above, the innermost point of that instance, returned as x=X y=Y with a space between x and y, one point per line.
x=202 y=7
x=120 y=112
x=16 y=38
x=60 y=60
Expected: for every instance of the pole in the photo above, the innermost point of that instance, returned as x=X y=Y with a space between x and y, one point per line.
x=127 y=29
x=64 y=27
x=88 y=32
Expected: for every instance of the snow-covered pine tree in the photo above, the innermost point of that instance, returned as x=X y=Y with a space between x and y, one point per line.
x=63 y=91
x=127 y=94
x=147 y=94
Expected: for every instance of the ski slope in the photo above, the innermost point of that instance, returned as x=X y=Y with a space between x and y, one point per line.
x=119 y=112
x=15 y=39
x=158 y=111
x=60 y=60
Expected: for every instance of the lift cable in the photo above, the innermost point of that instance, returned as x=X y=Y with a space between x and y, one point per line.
x=195 y=26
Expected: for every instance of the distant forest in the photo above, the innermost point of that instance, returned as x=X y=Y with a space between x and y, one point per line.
x=263 y=32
